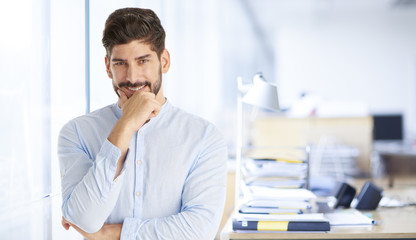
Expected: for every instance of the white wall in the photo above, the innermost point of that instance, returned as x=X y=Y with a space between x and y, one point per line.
x=362 y=55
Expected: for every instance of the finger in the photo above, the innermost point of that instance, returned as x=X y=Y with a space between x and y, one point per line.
x=65 y=223
x=123 y=97
x=156 y=109
x=66 y=226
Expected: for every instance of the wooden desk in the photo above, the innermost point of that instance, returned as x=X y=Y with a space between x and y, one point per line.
x=393 y=223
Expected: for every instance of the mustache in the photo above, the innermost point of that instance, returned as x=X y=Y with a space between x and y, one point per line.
x=134 y=85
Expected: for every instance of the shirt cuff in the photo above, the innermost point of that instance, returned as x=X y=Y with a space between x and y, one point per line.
x=110 y=152
x=106 y=166
x=128 y=229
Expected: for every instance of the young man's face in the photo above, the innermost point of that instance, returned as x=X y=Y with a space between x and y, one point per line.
x=135 y=67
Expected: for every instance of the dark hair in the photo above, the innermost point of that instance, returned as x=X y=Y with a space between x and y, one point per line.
x=128 y=24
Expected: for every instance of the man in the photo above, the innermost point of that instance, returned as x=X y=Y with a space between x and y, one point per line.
x=141 y=168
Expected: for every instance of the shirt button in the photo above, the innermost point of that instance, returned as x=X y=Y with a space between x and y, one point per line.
x=139 y=162
x=137 y=194
x=141 y=133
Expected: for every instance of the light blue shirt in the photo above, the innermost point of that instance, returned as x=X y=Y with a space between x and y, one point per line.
x=172 y=185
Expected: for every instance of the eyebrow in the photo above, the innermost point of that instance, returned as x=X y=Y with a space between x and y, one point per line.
x=137 y=58
x=142 y=57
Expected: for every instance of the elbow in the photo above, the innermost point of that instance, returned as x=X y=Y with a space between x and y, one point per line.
x=90 y=226
x=87 y=222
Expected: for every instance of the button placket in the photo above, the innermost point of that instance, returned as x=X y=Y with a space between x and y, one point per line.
x=138 y=190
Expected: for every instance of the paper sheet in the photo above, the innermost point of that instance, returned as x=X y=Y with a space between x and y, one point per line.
x=348 y=217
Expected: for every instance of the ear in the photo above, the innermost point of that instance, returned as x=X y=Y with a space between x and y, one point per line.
x=165 y=61
x=107 y=67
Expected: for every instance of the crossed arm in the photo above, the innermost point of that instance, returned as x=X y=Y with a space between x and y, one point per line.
x=202 y=203
x=107 y=232
x=133 y=118
x=198 y=217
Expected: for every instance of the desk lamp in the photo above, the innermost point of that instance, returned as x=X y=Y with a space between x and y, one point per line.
x=259 y=94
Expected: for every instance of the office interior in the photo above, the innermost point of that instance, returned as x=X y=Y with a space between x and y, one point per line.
x=342 y=68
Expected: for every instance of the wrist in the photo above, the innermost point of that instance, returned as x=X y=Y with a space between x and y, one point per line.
x=112 y=231
x=120 y=135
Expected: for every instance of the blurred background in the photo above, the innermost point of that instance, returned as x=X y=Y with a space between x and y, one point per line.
x=328 y=58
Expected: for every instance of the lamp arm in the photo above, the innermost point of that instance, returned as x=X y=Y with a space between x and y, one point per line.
x=239 y=144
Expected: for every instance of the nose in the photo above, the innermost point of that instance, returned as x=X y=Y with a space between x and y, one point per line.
x=132 y=74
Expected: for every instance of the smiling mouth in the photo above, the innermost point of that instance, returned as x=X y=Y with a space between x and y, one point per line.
x=136 y=88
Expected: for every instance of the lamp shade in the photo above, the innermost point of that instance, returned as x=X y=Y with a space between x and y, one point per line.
x=262 y=94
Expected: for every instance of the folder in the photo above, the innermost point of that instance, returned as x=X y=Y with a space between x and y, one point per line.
x=287 y=160
x=263 y=210
x=280 y=225
x=272 y=168
x=279 y=204
x=276 y=183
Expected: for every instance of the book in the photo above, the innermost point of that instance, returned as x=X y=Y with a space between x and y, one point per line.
x=258 y=225
x=295 y=222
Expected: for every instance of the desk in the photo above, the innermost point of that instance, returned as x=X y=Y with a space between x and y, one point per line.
x=394 y=223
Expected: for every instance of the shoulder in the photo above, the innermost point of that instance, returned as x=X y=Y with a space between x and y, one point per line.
x=97 y=120
x=190 y=121
x=195 y=126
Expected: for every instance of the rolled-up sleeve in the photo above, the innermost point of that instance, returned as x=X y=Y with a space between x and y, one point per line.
x=203 y=199
x=89 y=191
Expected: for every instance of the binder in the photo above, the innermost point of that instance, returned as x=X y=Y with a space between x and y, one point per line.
x=280 y=225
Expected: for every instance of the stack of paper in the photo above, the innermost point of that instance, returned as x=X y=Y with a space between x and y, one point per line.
x=348 y=217
x=274 y=186
x=268 y=210
x=266 y=168
x=265 y=193
x=275 y=173
x=264 y=200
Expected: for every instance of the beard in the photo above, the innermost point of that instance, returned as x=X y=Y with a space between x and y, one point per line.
x=155 y=87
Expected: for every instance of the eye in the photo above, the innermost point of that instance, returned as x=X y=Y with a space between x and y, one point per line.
x=119 y=63
x=143 y=61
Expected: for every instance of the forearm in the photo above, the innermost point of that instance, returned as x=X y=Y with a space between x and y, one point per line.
x=96 y=194
x=192 y=224
x=120 y=137
x=89 y=198
x=107 y=232
x=202 y=203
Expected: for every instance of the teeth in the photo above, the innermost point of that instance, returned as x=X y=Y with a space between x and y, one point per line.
x=136 y=89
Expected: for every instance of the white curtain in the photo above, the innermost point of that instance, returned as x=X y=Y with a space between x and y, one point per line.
x=25 y=123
